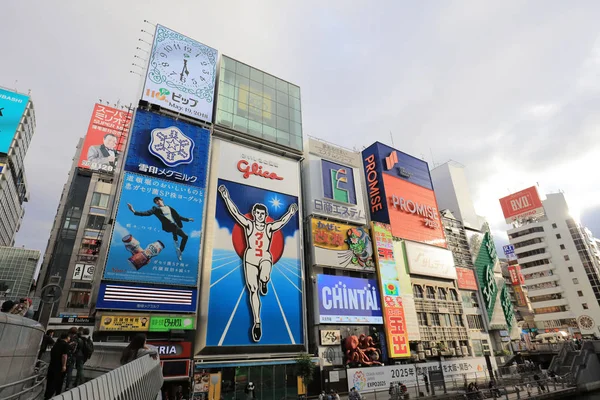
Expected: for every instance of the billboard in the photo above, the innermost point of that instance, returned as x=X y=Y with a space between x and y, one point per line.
x=12 y=107
x=255 y=293
x=169 y=149
x=341 y=246
x=429 y=260
x=334 y=187
x=104 y=140
x=125 y=323
x=523 y=204
x=516 y=277
x=507 y=306
x=509 y=252
x=393 y=307
x=157 y=232
x=145 y=298
x=520 y=296
x=484 y=265
x=181 y=75
x=466 y=279
x=406 y=292
x=162 y=323
x=344 y=300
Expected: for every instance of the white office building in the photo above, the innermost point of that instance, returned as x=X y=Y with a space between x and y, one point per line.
x=560 y=265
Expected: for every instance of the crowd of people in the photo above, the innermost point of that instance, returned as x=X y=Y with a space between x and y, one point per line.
x=23 y=307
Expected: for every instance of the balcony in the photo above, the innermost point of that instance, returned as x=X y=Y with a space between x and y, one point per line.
x=535 y=235
x=550 y=303
x=543 y=292
x=534 y=246
x=543 y=279
x=553 y=316
x=539 y=268
x=535 y=257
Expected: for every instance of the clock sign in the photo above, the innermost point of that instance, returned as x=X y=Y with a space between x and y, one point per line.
x=181 y=75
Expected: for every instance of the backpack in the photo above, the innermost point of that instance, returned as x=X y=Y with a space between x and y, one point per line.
x=88 y=348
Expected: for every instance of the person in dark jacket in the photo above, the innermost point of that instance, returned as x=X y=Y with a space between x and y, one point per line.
x=170 y=219
x=57 y=366
x=46 y=341
x=75 y=348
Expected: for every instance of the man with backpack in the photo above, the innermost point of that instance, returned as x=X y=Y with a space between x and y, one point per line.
x=84 y=352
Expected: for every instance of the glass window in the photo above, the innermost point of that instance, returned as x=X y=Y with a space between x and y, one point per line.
x=256 y=75
x=224 y=118
x=579 y=293
x=453 y=295
x=442 y=294
x=283 y=125
x=295 y=116
x=255 y=128
x=446 y=320
x=571 y=269
x=225 y=104
x=241 y=81
x=585 y=306
x=458 y=321
x=422 y=317
x=434 y=319
x=566 y=257
x=91 y=234
x=294 y=91
x=430 y=292
x=95 y=222
x=282 y=98
x=294 y=103
x=243 y=70
x=270 y=81
x=78 y=299
x=296 y=129
x=474 y=299
x=417 y=291
x=282 y=86
x=95 y=210
x=241 y=124
x=554 y=226
x=227 y=89
x=283 y=111
x=296 y=141
x=228 y=63
x=227 y=77
x=100 y=200
x=562 y=247
x=283 y=137
x=558 y=235
x=269 y=133
x=256 y=88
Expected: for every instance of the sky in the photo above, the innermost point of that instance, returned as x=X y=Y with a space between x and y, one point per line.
x=509 y=89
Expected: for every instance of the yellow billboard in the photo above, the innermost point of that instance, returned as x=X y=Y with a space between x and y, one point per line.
x=125 y=323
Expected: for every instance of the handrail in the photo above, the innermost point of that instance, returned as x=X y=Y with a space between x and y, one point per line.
x=39 y=378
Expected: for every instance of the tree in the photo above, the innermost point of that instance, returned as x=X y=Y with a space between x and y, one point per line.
x=305 y=368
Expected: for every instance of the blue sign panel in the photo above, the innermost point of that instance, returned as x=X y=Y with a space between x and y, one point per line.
x=145 y=298
x=12 y=107
x=256 y=274
x=338 y=182
x=156 y=238
x=168 y=149
x=344 y=300
x=377 y=203
x=401 y=165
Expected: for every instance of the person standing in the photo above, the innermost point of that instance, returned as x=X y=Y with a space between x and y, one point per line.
x=75 y=345
x=426 y=381
x=46 y=341
x=81 y=356
x=137 y=348
x=57 y=366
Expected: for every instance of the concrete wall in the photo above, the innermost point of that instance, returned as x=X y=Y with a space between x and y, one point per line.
x=20 y=340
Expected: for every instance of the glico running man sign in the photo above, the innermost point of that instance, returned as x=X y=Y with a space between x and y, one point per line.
x=255 y=292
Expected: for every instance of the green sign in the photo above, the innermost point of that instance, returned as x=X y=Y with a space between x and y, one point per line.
x=484 y=264
x=507 y=306
x=166 y=324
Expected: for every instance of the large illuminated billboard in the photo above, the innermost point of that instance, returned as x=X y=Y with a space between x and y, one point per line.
x=253 y=281
x=105 y=138
x=181 y=75
x=12 y=107
x=400 y=194
x=525 y=203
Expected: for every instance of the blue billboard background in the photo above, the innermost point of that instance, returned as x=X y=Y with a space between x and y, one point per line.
x=358 y=300
x=405 y=167
x=145 y=298
x=179 y=155
x=230 y=318
x=151 y=256
x=12 y=106
x=377 y=200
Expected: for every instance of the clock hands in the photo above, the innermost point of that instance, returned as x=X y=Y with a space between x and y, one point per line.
x=184 y=71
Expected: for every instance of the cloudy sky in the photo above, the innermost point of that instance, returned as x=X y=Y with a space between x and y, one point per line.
x=510 y=89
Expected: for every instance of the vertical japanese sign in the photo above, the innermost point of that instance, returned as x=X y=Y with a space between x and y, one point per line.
x=507 y=307
x=486 y=259
x=391 y=300
x=105 y=138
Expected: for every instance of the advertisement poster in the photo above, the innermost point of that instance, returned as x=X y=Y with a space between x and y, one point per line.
x=484 y=265
x=344 y=300
x=156 y=238
x=169 y=149
x=342 y=246
x=393 y=307
x=523 y=204
x=466 y=279
x=330 y=337
x=105 y=139
x=125 y=323
x=256 y=283
x=12 y=107
x=371 y=379
x=145 y=298
x=406 y=292
x=430 y=260
x=161 y=323
x=181 y=75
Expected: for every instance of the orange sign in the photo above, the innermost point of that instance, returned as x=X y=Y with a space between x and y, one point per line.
x=391 y=300
x=526 y=203
x=413 y=212
x=516 y=277
x=466 y=279
x=105 y=139
x=520 y=296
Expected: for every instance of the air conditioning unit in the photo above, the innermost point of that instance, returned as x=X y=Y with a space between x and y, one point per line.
x=434 y=352
x=428 y=353
x=420 y=347
x=458 y=352
x=432 y=344
x=421 y=356
x=465 y=350
x=453 y=351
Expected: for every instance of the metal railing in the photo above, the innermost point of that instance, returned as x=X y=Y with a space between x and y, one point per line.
x=140 y=379
x=28 y=388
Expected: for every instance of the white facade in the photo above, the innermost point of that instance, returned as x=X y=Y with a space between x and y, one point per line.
x=13 y=184
x=560 y=269
x=452 y=193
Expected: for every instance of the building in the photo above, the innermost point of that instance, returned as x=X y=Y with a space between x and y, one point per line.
x=75 y=247
x=16 y=130
x=17 y=267
x=557 y=261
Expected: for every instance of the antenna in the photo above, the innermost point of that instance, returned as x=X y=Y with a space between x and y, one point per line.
x=139 y=66
x=432 y=160
x=137 y=73
x=145 y=51
x=142 y=40
x=392 y=138
x=143 y=59
x=149 y=23
x=147 y=33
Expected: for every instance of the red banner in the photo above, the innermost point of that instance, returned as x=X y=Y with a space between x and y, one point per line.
x=466 y=278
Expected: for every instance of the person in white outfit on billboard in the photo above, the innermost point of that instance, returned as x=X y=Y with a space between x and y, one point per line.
x=258 y=260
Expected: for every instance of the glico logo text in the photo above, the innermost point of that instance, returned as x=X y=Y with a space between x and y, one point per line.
x=257 y=170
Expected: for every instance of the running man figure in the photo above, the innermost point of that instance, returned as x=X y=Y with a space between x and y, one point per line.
x=258 y=261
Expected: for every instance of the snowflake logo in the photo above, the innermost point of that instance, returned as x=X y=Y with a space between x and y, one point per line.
x=171 y=146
